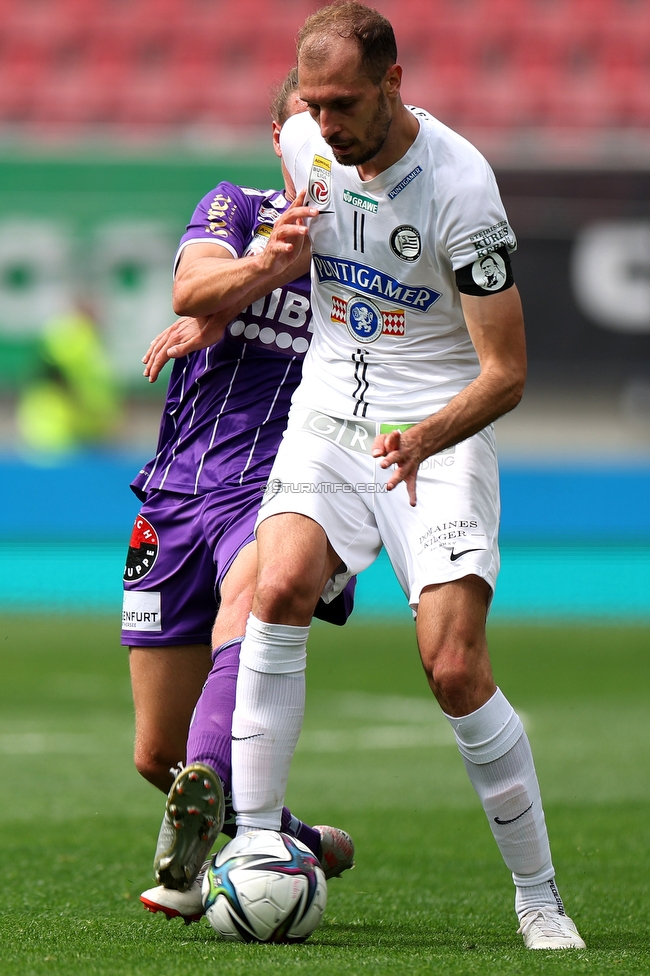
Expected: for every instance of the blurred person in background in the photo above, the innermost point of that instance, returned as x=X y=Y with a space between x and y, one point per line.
x=74 y=402
x=192 y=551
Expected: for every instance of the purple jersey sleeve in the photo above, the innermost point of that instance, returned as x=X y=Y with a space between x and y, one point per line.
x=233 y=216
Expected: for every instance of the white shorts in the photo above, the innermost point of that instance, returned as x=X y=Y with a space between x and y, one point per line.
x=324 y=470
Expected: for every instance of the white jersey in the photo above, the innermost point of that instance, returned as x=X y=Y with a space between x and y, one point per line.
x=390 y=341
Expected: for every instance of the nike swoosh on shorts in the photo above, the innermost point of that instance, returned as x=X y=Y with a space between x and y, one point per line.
x=456 y=555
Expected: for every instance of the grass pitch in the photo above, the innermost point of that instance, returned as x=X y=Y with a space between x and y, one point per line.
x=429 y=893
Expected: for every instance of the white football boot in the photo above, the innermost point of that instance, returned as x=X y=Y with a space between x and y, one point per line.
x=192 y=822
x=187 y=905
x=545 y=928
x=337 y=851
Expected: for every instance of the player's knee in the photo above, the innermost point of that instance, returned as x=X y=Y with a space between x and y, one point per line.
x=452 y=679
x=454 y=667
x=279 y=594
x=154 y=766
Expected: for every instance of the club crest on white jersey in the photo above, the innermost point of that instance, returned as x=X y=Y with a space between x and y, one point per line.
x=405 y=242
x=320 y=181
x=364 y=320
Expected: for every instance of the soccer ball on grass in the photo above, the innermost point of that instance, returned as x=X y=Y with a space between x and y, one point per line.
x=264 y=886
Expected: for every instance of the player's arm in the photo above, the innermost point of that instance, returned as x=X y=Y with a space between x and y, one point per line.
x=189 y=333
x=496 y=327
x=208 y=278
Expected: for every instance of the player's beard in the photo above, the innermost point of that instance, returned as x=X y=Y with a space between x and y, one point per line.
x=374 y=139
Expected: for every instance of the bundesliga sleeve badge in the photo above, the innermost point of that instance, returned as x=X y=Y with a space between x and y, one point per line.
x=320 y=181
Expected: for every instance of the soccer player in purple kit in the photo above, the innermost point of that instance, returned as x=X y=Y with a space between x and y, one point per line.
x=192 y=550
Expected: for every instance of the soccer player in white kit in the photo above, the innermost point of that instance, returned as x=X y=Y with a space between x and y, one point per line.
x=418 y=347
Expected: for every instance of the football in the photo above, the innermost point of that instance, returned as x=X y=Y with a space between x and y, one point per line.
x=264 y=886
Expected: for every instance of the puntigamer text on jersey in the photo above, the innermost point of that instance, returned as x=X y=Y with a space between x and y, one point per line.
x=374 y=282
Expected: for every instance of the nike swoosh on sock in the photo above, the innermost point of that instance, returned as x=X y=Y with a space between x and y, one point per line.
x=518 y=817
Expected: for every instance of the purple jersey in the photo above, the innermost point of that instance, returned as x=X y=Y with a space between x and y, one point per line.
x=227 y=405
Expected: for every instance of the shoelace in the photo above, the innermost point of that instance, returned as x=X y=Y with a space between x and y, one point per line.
x=548 y=921
x=200 y=876
x=177 y=769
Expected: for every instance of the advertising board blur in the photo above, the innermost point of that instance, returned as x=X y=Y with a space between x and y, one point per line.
x=97 y=236
x=100 y=235
x=583 y=269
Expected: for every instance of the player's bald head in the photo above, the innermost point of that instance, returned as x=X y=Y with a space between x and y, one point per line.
x=372 y=34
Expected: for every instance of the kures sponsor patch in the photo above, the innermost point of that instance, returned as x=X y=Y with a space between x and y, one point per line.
x=498 y=235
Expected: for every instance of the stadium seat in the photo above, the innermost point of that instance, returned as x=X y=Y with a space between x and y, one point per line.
x=499 y=63
x=86 y=94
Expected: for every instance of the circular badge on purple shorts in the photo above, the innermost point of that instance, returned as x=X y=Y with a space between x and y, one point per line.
x=143 y=550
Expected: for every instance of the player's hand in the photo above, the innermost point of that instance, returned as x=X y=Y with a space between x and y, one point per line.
x=401 y=449
x=289 y=236
x=184 y=336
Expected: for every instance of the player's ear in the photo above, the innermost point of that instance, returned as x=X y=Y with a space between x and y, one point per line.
x=276 y=138
x=392 y=81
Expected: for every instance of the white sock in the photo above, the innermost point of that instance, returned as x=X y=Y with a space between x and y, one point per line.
x=268 y=716
x=530 y=897
x=500 y=765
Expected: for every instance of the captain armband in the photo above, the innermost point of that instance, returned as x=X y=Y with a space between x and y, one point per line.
x=486 y=275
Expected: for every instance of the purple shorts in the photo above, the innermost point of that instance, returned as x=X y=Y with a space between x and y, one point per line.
x=181 y=548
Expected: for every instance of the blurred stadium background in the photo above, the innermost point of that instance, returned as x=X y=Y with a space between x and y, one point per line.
x=116 y=116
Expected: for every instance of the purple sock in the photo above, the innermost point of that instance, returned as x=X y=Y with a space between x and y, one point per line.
x=209 y=739
x=302 y=832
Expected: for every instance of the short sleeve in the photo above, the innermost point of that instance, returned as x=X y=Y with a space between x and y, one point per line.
x=222 y=217
x=472 y=219
x=296 y=133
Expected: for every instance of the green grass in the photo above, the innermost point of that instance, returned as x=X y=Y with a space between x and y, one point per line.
x=429 y=893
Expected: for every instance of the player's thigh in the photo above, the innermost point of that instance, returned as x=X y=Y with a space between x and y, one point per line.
x=166 y=684
x=229 y=525
x=325 y=483
x=452 y=532
x=236 y=591
x=169 y=580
